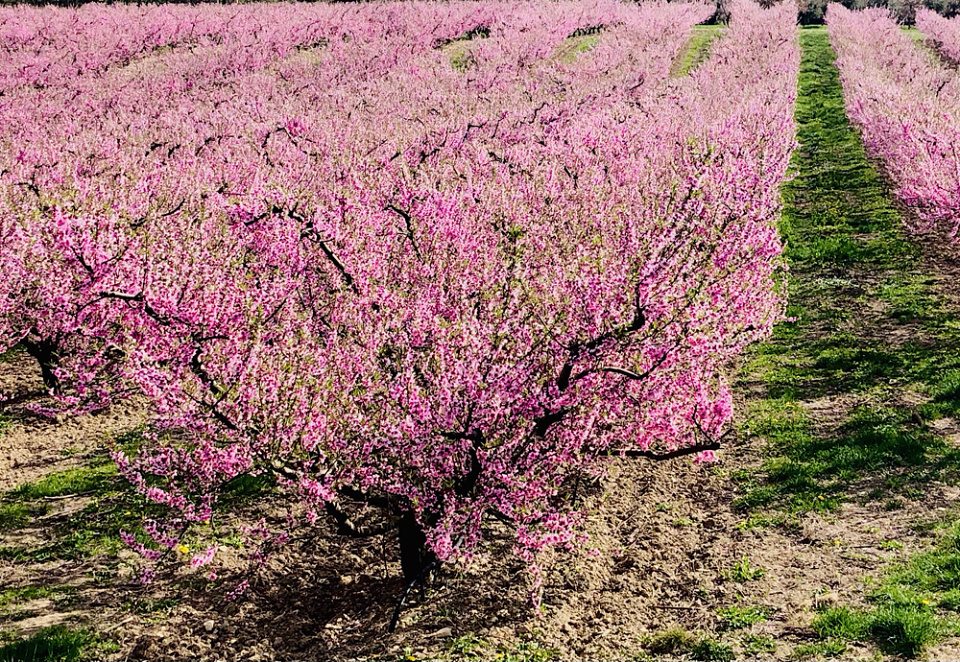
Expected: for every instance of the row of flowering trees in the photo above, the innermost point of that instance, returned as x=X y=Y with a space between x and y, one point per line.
x=50 y=47
x=906 y=105
x=944 y=32
x=440 y=275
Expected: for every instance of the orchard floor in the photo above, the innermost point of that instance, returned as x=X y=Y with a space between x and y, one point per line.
x=826 y=529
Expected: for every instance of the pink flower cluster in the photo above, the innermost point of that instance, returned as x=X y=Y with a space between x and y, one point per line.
x=905 y=103
x=350 y=247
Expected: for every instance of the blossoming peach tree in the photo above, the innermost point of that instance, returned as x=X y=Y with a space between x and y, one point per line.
x=544 y=264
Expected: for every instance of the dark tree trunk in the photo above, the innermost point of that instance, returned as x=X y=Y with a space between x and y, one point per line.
x=414 y=554
x=45 y=352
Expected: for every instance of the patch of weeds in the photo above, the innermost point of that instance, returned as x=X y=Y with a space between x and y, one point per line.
x=57 y=644
x=18 y=515
x=756 y=646
x=737 y=618
x=711 y=649
x=742 y=571
x=944 y=393
x=684 y=522
x=95 y=478
x=898 y=629
x=131 y=441
x=528 y=651
x=829 y=648
x=245 y=488
x=891 y=545
x=841 y=623
x=761 y=521
x=909 y=298
x=93 y=530
x=670 y=642
x=467 y=646
x=12 y=596
x=932 y=571
x=574 y=46
x=903 y=631
x=893 y=504
x=462 y=60
x=11 y=354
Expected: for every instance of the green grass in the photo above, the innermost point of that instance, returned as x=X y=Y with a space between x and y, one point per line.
x=756 y=646
x=709 y=649
x=742 y=571
x=573 y=47
x=869 y=327
x=914 y=603
x=738 y=618
x=838 y=224
x=828 y=649
x=697 y=49
x=898 y=630
x=11 y=597
x=95 y=529
x=100 y=476
x=57 y=644
x=670 y=642
x=113 y=505
x=841 y=623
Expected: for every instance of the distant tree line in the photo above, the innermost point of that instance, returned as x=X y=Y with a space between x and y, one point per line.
x=812 y=11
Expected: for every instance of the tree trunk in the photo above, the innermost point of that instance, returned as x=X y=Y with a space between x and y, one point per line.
x=45 y=352
x=414 y=554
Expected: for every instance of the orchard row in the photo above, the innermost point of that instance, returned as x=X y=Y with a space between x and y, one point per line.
x=906 y=102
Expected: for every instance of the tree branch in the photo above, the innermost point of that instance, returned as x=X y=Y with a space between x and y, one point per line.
x=347 y=527
x=660 y=457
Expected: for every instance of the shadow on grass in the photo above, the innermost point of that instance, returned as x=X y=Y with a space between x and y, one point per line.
x=56 y=644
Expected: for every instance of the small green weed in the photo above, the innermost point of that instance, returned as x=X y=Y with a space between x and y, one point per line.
x=737 y=618
x=829 y=648
x=742 y=571
x=467 y=646
x=712 y=649
x=670 y=642
x=756 y=646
